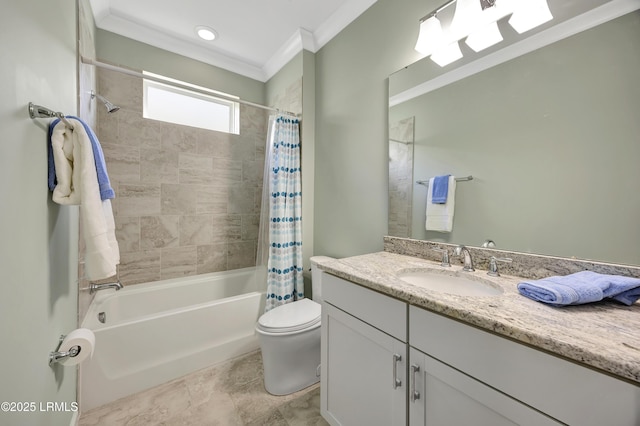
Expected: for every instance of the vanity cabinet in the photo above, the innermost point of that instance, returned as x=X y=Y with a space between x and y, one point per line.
x=387 y=363
x=561 y=389
x=364 y=356
x=441 y=395
x=371 y=376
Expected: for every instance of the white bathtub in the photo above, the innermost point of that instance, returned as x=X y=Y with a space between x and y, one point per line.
x=159 y=331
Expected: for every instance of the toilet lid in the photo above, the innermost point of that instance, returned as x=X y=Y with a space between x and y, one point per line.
x=294 y=316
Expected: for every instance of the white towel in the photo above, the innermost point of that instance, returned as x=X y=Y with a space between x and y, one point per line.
x=440 y=216
x=78 y=185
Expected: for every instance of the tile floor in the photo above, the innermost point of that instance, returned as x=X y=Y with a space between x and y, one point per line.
x=228 y=394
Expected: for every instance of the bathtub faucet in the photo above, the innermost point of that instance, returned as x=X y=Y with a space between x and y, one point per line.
x=96 y=287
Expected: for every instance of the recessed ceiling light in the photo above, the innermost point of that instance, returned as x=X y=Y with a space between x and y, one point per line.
x=206 y=33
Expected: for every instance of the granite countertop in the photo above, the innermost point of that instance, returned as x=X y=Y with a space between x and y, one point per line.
x=603 y=335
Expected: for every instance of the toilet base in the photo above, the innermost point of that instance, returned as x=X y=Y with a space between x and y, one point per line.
x=287 y=390
x=290 y=360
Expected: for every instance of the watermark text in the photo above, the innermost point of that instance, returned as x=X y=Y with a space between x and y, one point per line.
x=31 y=406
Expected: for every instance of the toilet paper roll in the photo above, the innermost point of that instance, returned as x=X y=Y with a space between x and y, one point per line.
x=84 y=339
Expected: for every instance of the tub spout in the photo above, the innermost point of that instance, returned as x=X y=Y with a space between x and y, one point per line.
x=96 y=287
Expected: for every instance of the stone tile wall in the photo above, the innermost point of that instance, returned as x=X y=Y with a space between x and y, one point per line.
x=187 y=199
x=401 y=177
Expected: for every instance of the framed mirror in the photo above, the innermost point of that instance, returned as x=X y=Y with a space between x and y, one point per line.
x=551 y=136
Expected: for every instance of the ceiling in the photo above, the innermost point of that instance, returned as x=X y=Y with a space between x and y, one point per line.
x=255 y=37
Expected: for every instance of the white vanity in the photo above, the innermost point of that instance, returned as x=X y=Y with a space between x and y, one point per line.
x=396 y=354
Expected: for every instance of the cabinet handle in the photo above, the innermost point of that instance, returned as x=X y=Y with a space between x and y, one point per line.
x=396 y=359
x=413 y=392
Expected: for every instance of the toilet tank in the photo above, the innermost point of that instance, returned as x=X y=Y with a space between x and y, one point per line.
x=316 y=277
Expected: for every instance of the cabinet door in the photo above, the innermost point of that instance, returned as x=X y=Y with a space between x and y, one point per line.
x=442 y=396
x=363 y=380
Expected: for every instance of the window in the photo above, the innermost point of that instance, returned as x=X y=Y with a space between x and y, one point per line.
x=179 y=105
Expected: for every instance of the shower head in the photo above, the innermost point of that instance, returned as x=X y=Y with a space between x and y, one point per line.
x=110 y=107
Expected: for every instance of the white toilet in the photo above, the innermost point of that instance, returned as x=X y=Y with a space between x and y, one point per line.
x=290 y=340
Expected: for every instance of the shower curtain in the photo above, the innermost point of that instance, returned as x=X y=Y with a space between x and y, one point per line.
x=279 y=257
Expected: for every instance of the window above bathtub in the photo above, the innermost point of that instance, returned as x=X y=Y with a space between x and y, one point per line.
x=190 y=105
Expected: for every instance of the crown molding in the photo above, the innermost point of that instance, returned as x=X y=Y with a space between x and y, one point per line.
x=300 y=40
x=174 y=44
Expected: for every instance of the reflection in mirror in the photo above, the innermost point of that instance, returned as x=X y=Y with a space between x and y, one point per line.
x=551 y=138
x=400 y=176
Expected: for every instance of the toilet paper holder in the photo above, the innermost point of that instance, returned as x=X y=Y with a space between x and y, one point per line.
x=57 y=356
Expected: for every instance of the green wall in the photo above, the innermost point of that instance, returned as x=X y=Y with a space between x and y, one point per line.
x=38 y=248
x=351 y=156
x=308 y=154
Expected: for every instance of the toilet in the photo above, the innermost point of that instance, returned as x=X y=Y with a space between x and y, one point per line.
x=290 y=340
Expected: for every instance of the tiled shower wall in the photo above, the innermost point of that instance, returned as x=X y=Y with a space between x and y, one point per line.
x=187 y=199
x=401 y=177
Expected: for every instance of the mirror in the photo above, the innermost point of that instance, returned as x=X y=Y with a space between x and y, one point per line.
x=551 y=138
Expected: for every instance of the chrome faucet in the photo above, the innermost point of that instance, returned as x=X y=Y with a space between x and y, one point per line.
x=96 y=287
x=468 y=262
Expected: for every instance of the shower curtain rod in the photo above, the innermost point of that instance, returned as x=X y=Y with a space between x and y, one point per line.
x=132 y=73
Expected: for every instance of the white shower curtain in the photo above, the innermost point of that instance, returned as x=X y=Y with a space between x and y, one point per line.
x=279 y=257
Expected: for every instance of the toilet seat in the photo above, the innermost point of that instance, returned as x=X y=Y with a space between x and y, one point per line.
x=296 y=316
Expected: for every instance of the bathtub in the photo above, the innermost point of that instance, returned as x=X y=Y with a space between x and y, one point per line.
x=155 y=332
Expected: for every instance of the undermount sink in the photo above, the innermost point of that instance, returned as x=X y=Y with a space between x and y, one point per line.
x=450 y=282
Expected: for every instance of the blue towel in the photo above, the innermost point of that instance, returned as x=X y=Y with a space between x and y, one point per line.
x=440 y=189
x=582 y=287
x=106 y=192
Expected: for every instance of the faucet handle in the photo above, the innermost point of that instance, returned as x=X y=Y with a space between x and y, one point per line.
x=445 y=257
x=493 y=265
x=488 y=244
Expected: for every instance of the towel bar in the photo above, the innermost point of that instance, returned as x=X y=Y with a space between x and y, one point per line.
x=460 y=179
x=38 y=111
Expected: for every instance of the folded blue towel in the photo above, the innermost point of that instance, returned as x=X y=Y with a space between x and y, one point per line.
x=582 y=287
x=440 y=189
x=106 y=191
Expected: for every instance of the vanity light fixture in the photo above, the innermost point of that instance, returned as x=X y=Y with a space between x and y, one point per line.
x=529 y=14
x=447 y=54
x=206 y=33
x=431 y=36
x=477 y=22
